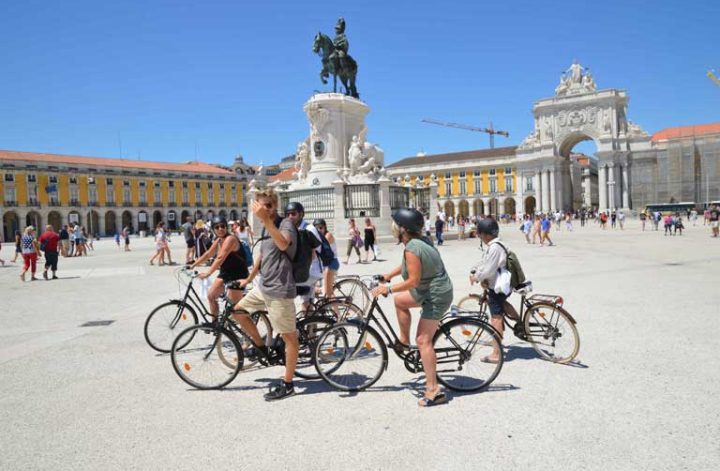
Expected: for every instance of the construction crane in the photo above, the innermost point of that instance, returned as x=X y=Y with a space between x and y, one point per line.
x=490 y=131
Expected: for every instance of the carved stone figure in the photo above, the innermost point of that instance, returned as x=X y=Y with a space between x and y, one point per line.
x=575 y=81
x=548 y=129
x=318 y=117
x=302 y=161
x=365 y=160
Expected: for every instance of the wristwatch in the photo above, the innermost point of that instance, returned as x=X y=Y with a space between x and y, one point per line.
x=389 y=289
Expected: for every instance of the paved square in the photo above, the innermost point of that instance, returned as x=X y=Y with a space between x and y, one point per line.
x=642 y=396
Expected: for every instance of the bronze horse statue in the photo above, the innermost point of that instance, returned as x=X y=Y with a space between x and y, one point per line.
x=323 y=46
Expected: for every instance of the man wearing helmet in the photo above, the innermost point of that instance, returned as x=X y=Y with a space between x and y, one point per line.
x=486 y=273
x=425 y=284
x=275 y=292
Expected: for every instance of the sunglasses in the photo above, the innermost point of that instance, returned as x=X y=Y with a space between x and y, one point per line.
x=220 y=226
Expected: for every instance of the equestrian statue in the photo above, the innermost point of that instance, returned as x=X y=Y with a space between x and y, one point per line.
x=336 y=60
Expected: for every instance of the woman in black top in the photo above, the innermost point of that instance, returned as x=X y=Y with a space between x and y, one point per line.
x=369 y=239
x=230 y=260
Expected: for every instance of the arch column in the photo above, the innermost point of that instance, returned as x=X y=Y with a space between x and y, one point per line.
x=538 y=193
x=545 y=191
x=611 y=186
x=519 y=194
x=553 y=193
x=625 y=187
x=101 y=223
x=602 y=188
x=486 y=206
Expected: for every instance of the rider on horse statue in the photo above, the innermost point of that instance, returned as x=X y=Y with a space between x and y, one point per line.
x=339 y=55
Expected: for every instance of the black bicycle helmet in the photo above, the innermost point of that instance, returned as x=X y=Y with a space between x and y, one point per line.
x=488 y=226
x=409 y=219
x=294 y=206
x=319 y=222
x=218 y=220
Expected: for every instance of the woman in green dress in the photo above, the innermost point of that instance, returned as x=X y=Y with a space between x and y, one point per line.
x=425 y=284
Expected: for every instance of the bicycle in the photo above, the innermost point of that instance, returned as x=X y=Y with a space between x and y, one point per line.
x=543 y=322
x=210 y=355
x=351 y=356
x=354 y=288
x=166 y=320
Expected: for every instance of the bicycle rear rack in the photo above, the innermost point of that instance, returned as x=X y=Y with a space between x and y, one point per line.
x=553 y=299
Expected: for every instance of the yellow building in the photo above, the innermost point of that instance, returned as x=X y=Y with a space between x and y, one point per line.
x=472 y=183
x=104 y=195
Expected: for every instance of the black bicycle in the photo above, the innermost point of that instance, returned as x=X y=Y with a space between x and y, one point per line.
x=169 y=318
x=210 y=355
x=352 y=355
x=543 y=322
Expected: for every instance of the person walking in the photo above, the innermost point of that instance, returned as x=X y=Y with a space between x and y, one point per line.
x=461 y=227
x=30 y=252
x=126 y=237
x=71 y=232
x=18 y=246
x=369 y=240
x=536 y=230
x=668 y=223
x=439 y=226
x=583 y=216
x=568 y=221
x=643 y=220
x=621 y=219
x=354 y=241
x=187 y=230
x=425 y=284
x=694 y=217
x=545 y=226
x=117 y=239
x=613 y=220
x=678 y=224
x=526 y=228
x=64 y=241
x=714 y=220
x=49 y=241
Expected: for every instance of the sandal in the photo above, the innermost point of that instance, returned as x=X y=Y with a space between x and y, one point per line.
x=487 y=359
x=439 y=398
x=400 y=347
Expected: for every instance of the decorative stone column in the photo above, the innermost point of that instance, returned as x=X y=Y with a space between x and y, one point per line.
x=253 y=222
x=101 y=224
x=602 y=188
x=553 y=193
x=433 y=209
x=486 y=206
x=611 y=186
x=538 y=194
x=384 y=224
x=625 y=189
x=546 y=191
x=520 y=204
x=339 y=223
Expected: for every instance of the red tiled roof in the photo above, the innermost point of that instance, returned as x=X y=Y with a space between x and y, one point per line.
x=193 y=166
x=686 y=131
x=285 y=175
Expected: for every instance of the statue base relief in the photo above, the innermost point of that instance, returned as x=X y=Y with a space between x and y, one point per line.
x=334 y=120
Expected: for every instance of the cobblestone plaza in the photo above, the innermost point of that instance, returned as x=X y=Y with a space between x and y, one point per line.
x=640 y=396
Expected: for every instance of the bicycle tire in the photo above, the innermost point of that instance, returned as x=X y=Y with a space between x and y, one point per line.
x=471 y=303
x=355 y=291
x=200 y=356
x=346 y=351
x=309 y=332
x=462 y=347
x=542 y=333
x=340 y=310
x=162 y=320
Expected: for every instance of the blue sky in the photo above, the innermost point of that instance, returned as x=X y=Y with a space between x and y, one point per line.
x=172 y=78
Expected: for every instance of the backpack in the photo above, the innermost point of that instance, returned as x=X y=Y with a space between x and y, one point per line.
x=512 y=264
x=306 y=244
x=326 y=253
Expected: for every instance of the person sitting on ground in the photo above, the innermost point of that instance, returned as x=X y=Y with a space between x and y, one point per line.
x=425 y=284
x=486 y=273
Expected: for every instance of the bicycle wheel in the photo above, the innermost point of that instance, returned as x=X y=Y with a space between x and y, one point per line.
x=309 y=332
x=552 y=333
x=350 y=356
x=340 y=311
x=206 y=357
x=463 y=347
x=471 y=302
x=262 y=323
x=355 y=291
x=164 y=323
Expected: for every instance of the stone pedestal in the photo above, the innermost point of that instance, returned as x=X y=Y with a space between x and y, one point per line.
x=334 y=120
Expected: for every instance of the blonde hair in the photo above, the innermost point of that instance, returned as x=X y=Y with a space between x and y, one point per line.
x=268 y=193
x=28 y=230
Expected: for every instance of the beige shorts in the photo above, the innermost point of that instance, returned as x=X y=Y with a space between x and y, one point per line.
x=281 y=311
x=714 y=224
